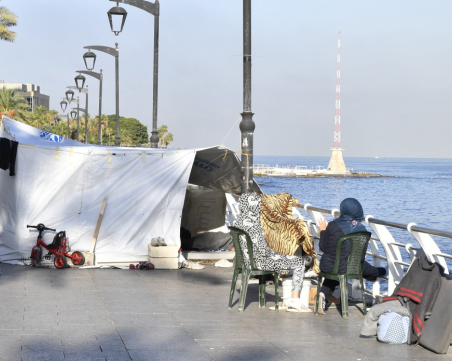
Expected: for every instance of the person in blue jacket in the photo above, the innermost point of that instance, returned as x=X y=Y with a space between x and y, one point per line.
x=348 y=222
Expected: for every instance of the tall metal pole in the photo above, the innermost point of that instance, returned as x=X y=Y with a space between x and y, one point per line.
x=86 y=116
x=99 y=131
x=78 y=119
x=155 y=136
x=68 y=129
x=247 y=124
x=117 y=139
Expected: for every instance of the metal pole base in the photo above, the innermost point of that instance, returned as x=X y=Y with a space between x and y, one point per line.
x=155 y=139
x=117 y=142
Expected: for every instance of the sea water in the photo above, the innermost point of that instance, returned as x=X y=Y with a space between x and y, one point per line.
x=414 y=190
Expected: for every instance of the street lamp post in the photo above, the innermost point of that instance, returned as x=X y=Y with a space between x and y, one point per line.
x=113 y=52
x=69 y=98
x=79 y=83
x=154 y=9
x=78 y=112
x=247 y=124
x=90 y=60
x=63 y=104
x=73 y=114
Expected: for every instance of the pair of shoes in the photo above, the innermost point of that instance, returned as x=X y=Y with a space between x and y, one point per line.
x=295 y=305
x=142 y=265
x=322 y=304
x=157 y=242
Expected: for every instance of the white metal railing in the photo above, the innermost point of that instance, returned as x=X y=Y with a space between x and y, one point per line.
x=392 y=249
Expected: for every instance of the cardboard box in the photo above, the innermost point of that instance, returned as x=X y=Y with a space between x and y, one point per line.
x=164 y=257
x=334 y=302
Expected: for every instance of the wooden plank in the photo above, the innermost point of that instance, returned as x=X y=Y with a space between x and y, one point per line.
x=99 y=222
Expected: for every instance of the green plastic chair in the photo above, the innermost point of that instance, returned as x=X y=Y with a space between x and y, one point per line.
x=358 y=247
x=240 y=267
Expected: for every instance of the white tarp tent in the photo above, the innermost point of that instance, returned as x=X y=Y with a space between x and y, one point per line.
x=62 y=183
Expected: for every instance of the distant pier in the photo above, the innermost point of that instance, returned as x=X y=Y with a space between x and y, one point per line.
x=299 y=171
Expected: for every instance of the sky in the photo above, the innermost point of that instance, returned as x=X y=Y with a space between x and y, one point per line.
x=396 y=60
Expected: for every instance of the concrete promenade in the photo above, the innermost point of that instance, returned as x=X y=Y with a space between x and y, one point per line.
x=111 y=314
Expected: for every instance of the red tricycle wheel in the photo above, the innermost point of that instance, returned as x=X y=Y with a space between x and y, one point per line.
x=36 y=256
x=78 y=258
x=60 y=261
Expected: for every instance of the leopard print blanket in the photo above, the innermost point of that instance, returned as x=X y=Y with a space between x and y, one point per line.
x=283 y=233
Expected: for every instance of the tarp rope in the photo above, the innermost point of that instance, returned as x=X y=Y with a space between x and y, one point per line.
x=227 y=135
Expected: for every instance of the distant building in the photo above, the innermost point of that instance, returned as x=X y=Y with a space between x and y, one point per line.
x=30 y=92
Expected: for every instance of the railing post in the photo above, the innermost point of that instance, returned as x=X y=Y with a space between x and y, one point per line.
x=316 y=216
x=429 y=246
x=393 y=255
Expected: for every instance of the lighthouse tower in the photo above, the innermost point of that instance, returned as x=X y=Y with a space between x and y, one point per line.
x=336 y=163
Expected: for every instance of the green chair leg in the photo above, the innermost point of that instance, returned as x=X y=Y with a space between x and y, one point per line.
x=344 y=295
x=233 y=284
x=364 y=296
x=262 y=286
x=276 y=292
x=316 y=307
x=243 y=289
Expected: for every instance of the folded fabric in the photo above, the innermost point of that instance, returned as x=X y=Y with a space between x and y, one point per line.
x=370 y=323
x=8 y=153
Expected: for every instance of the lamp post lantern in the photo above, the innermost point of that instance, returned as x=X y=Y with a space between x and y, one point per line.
x=247 y=124
x=116 y=14
x=90 y=60
x=154 y=9
x=113 y=52
x=69 y=95
x=80 y=82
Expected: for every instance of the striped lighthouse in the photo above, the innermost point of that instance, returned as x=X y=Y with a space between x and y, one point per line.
x=336 y=163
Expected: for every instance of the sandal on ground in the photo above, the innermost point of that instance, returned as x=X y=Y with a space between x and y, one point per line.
x=295 y=305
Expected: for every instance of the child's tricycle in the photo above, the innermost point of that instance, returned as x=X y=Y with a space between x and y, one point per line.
x=59 y=247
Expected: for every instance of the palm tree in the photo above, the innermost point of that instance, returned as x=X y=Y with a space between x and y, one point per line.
x=162 y=130
x=7 y=19
x=167 y=139
x=13 y=105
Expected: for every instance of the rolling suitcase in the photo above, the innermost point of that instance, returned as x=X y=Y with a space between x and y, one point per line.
x=437 y=331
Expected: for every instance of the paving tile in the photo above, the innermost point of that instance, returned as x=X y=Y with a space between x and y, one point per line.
x=168 y=355
x=256 y=354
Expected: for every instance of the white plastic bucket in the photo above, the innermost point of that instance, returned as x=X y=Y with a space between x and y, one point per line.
x=286 y=289
x=304 y=294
